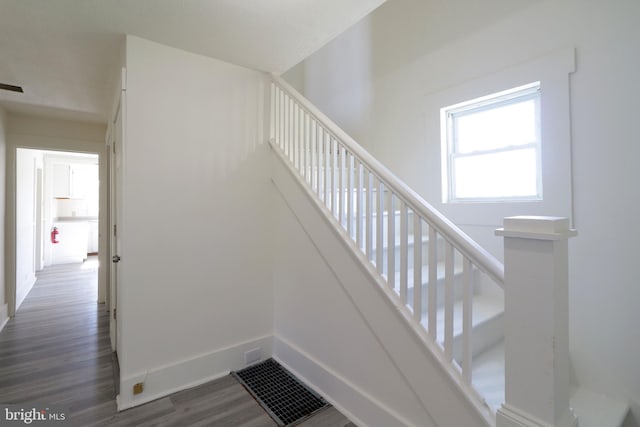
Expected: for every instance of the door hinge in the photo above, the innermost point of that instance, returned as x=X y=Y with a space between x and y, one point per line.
x=115 y=313
x=115 y=230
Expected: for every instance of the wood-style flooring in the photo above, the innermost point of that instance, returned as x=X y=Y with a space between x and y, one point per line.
x=56 y=351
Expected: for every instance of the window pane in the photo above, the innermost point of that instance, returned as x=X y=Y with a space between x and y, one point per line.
x=498 y=175
x=497 y=127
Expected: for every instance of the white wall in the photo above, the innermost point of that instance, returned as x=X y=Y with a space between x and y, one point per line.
x=195 y=289
x=27 y=161
x=4 y=317
x=422 y=48
x=50 y=134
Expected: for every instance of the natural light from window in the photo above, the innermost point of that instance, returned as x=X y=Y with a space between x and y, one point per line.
x=493 y=147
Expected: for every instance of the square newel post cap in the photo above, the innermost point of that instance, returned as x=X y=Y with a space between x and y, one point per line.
x=537 y=227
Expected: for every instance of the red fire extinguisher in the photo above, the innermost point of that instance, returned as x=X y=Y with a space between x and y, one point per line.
x=54 y=235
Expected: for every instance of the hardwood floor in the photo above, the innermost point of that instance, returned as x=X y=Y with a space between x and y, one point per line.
x=56 y=351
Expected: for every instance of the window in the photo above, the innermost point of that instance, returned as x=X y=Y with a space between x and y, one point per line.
x=492 y=147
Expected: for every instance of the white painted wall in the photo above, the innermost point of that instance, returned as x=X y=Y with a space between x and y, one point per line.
x=49 y=134
x=416 y=49
x=4 y=316
x=195 y=289
x=26 y=163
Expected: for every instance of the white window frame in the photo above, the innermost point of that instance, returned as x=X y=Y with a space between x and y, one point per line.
x=449 y=140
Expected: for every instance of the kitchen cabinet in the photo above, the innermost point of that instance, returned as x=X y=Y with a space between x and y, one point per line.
x=74 y=180
x=61 y=180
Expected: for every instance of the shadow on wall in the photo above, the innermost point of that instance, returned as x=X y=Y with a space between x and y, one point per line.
x=430 y=25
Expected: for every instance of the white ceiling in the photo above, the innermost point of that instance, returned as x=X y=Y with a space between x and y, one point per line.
x=64 y=53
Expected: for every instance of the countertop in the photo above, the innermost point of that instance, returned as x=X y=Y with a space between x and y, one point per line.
x=75 y=218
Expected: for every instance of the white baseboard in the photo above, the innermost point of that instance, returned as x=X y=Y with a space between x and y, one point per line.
x=162 y=381
x=356 y=404
x=4 y=316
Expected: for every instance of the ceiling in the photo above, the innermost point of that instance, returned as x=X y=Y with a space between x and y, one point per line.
x=65 y=53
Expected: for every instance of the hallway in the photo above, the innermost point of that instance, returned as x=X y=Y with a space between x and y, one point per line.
x=56 y=352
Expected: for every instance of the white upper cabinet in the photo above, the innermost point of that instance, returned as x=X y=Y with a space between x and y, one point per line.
x=61 y=180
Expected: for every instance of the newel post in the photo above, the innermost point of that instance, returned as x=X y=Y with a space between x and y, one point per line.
x=536 y=323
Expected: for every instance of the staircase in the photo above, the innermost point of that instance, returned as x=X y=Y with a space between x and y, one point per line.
x=449 y=289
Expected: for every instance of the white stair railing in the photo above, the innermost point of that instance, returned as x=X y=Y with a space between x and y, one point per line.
x=380 y=213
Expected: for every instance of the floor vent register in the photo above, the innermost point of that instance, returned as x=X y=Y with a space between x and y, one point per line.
x=285 y=398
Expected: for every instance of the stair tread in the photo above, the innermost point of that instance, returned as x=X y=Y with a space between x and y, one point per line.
x=597 y=410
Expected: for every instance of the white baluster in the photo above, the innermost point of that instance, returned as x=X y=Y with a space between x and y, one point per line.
x=307 y=148
x=448 y=301
x=299 y=145
x=319 y=146
x=278 y=124
x=296 y=136
x=316 y=156
x=391 y=241
x=272 y=111
x=359 y=204
x=433 y=283
x=326 y=140
x=285 y=129
x=341 y=184
x=290 y=132
x=379 y=224
x=404 y=257
x=417 y=267
x=467 y=315
x=350 y=189
x=303 y=145
x=334 y=175
x=369 y=218
x=282 y=121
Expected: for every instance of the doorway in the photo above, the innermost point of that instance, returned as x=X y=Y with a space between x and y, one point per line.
x=57 y=208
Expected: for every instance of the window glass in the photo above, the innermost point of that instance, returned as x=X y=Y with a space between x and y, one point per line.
x=496 y=127
x=493 y=146
x=509 y=174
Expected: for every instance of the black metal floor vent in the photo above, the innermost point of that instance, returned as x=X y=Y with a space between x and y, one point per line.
x=287 y=400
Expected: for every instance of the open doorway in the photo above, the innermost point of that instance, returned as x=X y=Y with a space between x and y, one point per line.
x=57 y=209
